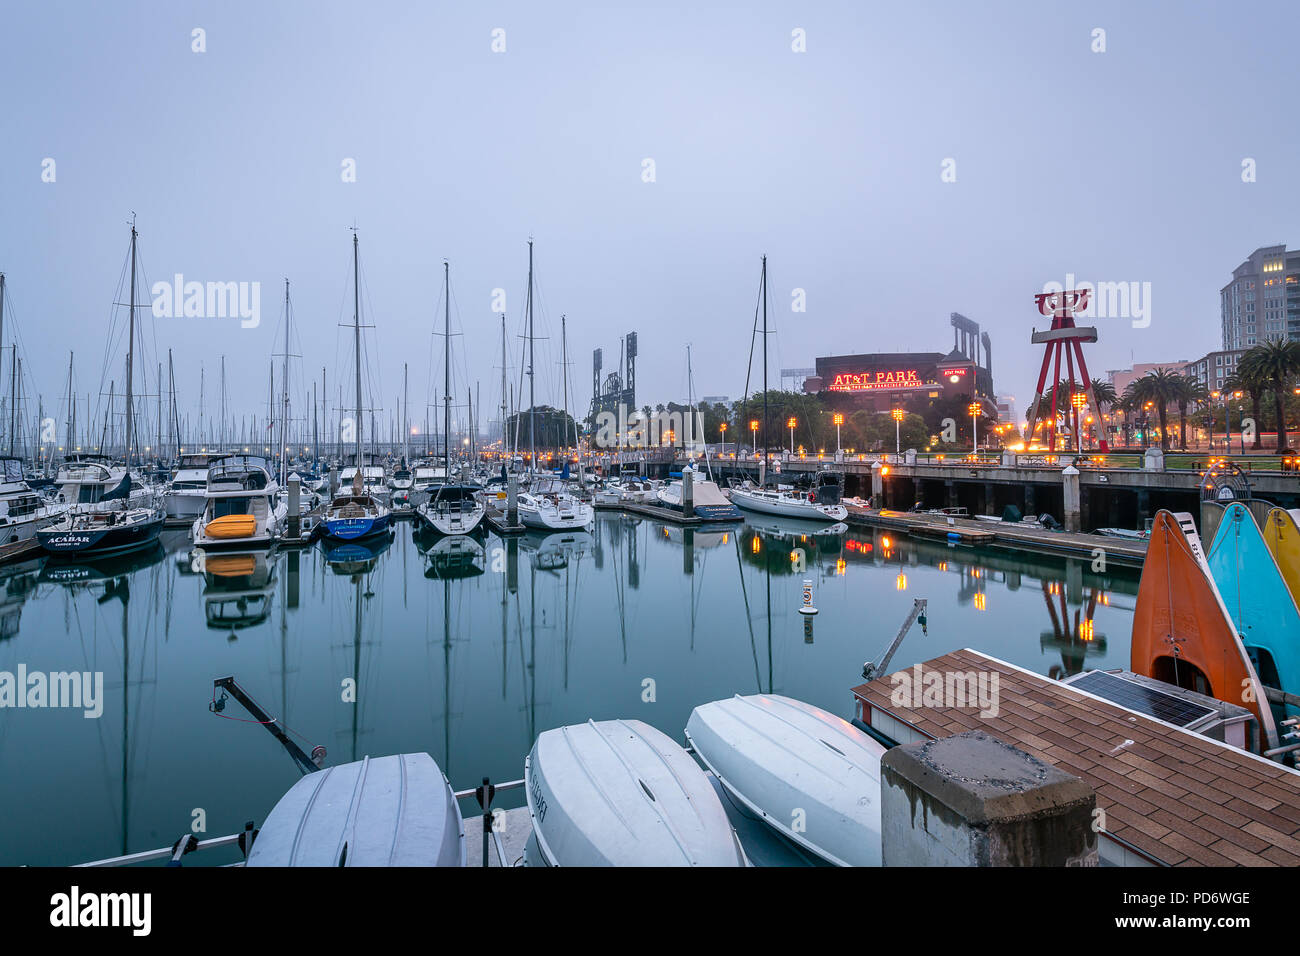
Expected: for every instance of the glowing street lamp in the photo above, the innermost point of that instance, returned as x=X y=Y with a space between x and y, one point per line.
x=974 y=409
x=1078 y=400
x=898 y=415
x=723 y=427
x=790 y=423
x=838 y=419
x=753 y=430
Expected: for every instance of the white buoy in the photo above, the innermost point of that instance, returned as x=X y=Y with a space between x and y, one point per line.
x=807 y=607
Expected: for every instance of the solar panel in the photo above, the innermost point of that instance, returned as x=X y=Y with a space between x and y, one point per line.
x=1159 y=704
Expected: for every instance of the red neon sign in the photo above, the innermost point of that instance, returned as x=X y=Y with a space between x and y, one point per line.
x=869 y=381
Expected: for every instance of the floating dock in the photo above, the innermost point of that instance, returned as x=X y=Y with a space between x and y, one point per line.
x=666 y=514
x=1165 y=796
x=1005 y=534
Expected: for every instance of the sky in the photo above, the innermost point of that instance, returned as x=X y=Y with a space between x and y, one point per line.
x=895 y=162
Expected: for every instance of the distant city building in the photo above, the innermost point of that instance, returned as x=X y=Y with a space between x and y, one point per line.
x=1212 y=369
x=1006 y=408
x=716 y=400
x=1262 y=302
x=884 y=380
x=794 y=376
x=1121 y=378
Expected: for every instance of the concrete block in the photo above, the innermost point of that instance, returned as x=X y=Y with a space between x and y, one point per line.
x=973 y=800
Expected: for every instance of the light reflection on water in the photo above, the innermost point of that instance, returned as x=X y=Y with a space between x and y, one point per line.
x=468 y=651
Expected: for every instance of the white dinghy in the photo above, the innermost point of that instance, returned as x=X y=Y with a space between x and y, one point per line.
x=812 y=776
x=389 y=811
x=620 y=793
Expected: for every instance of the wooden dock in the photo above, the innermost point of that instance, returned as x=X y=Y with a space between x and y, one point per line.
x=1005 y=534
x=20 y=551
x=1168 y=797
x=666 y=514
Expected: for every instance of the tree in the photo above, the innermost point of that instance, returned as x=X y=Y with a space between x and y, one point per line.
x=1158 y=387
x=1250 y=379
x=1276 y=364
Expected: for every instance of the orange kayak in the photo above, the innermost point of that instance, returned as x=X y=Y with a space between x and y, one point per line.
x=230 y=565
x=1182 y=633
x=231 y=526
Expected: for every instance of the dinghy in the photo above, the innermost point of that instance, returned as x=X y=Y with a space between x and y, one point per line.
x=620 y=793
x=1182 y=632
x=1257 y=598
x=1282 y=535
x=812 y=776
x=385 y=811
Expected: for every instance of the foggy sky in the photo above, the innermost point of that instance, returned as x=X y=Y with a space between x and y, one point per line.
x=1115 y=166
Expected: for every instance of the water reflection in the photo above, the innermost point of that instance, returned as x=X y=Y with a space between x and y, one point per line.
x=468 y=648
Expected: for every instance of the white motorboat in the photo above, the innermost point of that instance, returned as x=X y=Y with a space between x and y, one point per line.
x=620 y=793
x=812 y=776
x=452 y=510
x=549 y=506
x=243 y=505
x=187 y=493
x=822 y=503
x=22 y=511
x=707 y=500
x=84 y=481
x=382 y=811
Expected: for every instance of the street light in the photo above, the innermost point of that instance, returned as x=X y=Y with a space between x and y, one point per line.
x=838 y=419
x=974 y=409
x=1078 y=400
x=898 y=414
x=753 y=430
x=790 y=423
x=723 y=426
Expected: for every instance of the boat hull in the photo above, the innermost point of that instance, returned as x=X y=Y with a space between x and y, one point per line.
x=1257 y=598
x=1182 y=632
x=812 y=776
x=100 y=541
x=385 y=811
x=787 y=507
x=620 y=793
x=1282 y=535
x=354 y=529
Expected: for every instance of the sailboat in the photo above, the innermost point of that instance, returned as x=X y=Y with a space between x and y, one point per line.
x=1182 y=632
x=548 y=504
x=1257 y=598
x=452 y=509
x=115 y=520
x=355 y=511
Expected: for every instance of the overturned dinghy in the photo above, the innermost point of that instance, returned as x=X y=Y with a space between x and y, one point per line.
x=810 y=775
x=620 y=793
x=389 y=811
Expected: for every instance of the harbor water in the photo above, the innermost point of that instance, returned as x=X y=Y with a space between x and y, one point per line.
x=468 y=652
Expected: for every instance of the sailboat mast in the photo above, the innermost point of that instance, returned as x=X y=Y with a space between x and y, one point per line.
x=130 y=355
x=446 y=368
x=765 y=358
x=284 y=417
x=504 y=447
x=356 y=330
x=564 y=374
x=532 y=403
x=406 y=417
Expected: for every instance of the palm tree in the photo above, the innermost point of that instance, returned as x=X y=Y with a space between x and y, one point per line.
x=1250 y=379
x=1186 y=390
x=1159 y=387
x=1276 y=363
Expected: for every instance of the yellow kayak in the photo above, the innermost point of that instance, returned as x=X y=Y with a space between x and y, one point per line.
x=1282 y=536
x=231 y=526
